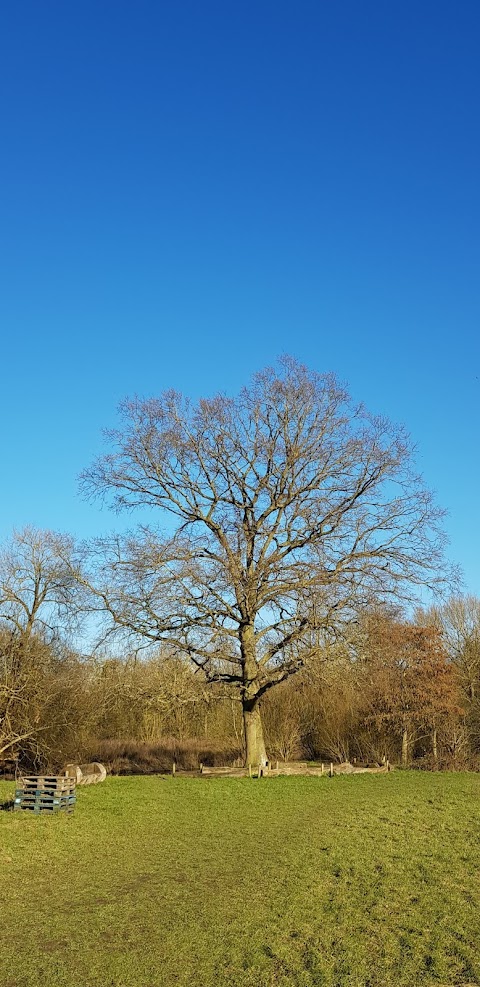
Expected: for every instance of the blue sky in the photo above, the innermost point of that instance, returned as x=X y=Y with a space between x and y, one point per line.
x=191 y=189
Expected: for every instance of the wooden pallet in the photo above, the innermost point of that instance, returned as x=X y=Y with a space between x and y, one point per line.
x=46 y=783
x=42 y=797
x=35 y=809
x=38 y=807
x=45 y=793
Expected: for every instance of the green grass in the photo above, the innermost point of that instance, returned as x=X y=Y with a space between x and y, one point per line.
x=366 y=881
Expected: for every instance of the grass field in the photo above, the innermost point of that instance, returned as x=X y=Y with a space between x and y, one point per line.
x=366 y=881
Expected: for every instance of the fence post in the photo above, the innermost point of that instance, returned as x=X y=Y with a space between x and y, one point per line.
x=249 y=770
x=331 y=770
x=174 y=768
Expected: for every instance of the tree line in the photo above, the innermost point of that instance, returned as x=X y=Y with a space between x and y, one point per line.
x=404 y=690
x=271 y=605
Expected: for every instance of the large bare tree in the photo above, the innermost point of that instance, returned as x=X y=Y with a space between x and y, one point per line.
x=284 y=510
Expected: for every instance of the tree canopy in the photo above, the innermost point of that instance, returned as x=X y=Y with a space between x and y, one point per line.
x=285 y=509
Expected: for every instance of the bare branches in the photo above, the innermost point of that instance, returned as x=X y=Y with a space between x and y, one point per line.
x=292 y=509
x=38 y=591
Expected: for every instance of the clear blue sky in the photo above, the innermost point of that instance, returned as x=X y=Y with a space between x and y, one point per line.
x=189 y=189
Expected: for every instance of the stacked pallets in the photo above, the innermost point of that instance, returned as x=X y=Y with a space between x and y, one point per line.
x=45 y=793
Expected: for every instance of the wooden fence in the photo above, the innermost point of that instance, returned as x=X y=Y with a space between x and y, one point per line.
x=274 y=769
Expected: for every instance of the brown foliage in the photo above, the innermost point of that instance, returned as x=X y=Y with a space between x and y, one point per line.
x=410 y=685
x=141 y=757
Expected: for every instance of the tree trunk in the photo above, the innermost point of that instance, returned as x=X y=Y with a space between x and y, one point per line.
x=255 y=752
x=405 y=747
x=434 y=746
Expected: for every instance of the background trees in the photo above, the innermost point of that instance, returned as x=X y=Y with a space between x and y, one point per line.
x=38 y=591
x=458 y=620
x=287 y=509
x=38 y=603
x=387 y=680
x=294 y=530
x=410 y=685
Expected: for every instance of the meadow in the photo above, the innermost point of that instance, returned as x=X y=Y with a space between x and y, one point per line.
x=364 y=881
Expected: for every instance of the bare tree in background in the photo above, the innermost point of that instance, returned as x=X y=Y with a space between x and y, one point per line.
x=287 y=509
x=459 y=620
x=38 y=593
x=38 y=598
